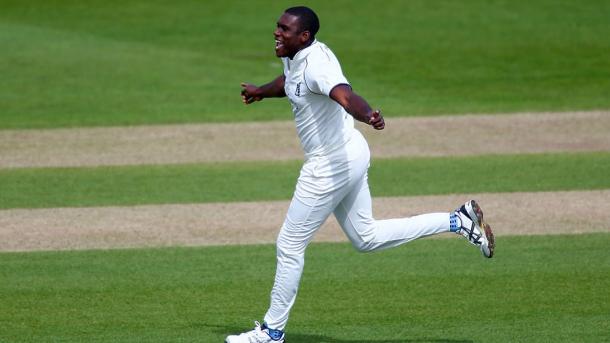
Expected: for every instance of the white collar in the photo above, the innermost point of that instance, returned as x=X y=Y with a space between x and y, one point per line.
x=301 y=54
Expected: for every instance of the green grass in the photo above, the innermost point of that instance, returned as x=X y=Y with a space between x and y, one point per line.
x=69 y=63
x=66 y=63
x=536 y=289
x=133 y=185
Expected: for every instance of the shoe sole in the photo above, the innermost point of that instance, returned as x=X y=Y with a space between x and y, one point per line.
x=475 y=211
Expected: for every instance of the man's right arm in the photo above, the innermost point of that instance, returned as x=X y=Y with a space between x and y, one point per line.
x=274 y=89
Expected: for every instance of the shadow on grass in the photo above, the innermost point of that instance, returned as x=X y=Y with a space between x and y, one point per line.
x=303 y=338
x=299 y=338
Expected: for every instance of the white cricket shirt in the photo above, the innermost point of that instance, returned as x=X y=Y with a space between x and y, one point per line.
x=322 y=124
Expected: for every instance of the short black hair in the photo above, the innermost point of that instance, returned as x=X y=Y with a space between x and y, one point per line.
x=308 y=20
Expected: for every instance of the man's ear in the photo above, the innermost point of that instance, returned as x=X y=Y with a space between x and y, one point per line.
x=305 y=35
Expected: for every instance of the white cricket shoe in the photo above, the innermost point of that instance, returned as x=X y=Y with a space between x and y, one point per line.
x=260 y=334
x=469 y=221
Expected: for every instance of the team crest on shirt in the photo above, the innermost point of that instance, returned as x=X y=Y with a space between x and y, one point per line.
x=297 y=91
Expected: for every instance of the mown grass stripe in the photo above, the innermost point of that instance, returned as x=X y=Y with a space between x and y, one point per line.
x=227 y=182
x=147 y=62
x=550 y=292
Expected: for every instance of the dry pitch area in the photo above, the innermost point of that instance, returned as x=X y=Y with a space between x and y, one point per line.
x=259 y=222
x=272 y=141
x=246 y=223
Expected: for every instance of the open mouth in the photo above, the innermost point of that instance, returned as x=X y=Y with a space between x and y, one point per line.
x=278 y=44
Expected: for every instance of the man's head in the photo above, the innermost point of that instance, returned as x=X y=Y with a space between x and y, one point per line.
x=296 y=29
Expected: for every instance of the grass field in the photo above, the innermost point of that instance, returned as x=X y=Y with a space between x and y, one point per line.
x=256 y=181
x=66 y=63
x=537 y=289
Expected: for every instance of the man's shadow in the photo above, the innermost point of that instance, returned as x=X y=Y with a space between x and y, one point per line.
x=300 y=338
x=304 y=338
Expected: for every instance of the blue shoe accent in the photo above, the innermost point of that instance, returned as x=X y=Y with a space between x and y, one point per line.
x=275 y=335
x=453 y=222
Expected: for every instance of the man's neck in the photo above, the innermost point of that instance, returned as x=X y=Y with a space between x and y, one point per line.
x=305 y=46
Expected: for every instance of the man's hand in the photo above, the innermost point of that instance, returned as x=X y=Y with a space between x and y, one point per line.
x=274 y=89
x=355 y=105
x=250 y=93
x=376 y=120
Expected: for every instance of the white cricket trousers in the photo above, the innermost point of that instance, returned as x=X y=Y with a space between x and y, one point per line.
x=336 y=184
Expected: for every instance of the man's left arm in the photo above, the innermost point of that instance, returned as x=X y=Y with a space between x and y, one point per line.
x=355 y=105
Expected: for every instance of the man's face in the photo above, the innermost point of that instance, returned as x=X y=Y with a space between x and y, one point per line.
x=288 y=39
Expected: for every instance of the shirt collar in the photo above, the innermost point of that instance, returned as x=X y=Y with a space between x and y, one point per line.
x=301 y=54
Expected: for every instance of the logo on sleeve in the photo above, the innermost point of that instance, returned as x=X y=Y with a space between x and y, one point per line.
x=297 y=92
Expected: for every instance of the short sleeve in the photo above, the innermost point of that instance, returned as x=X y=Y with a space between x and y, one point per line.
x=323 y=72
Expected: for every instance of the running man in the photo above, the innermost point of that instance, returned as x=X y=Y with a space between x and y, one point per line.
x=333 y=178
